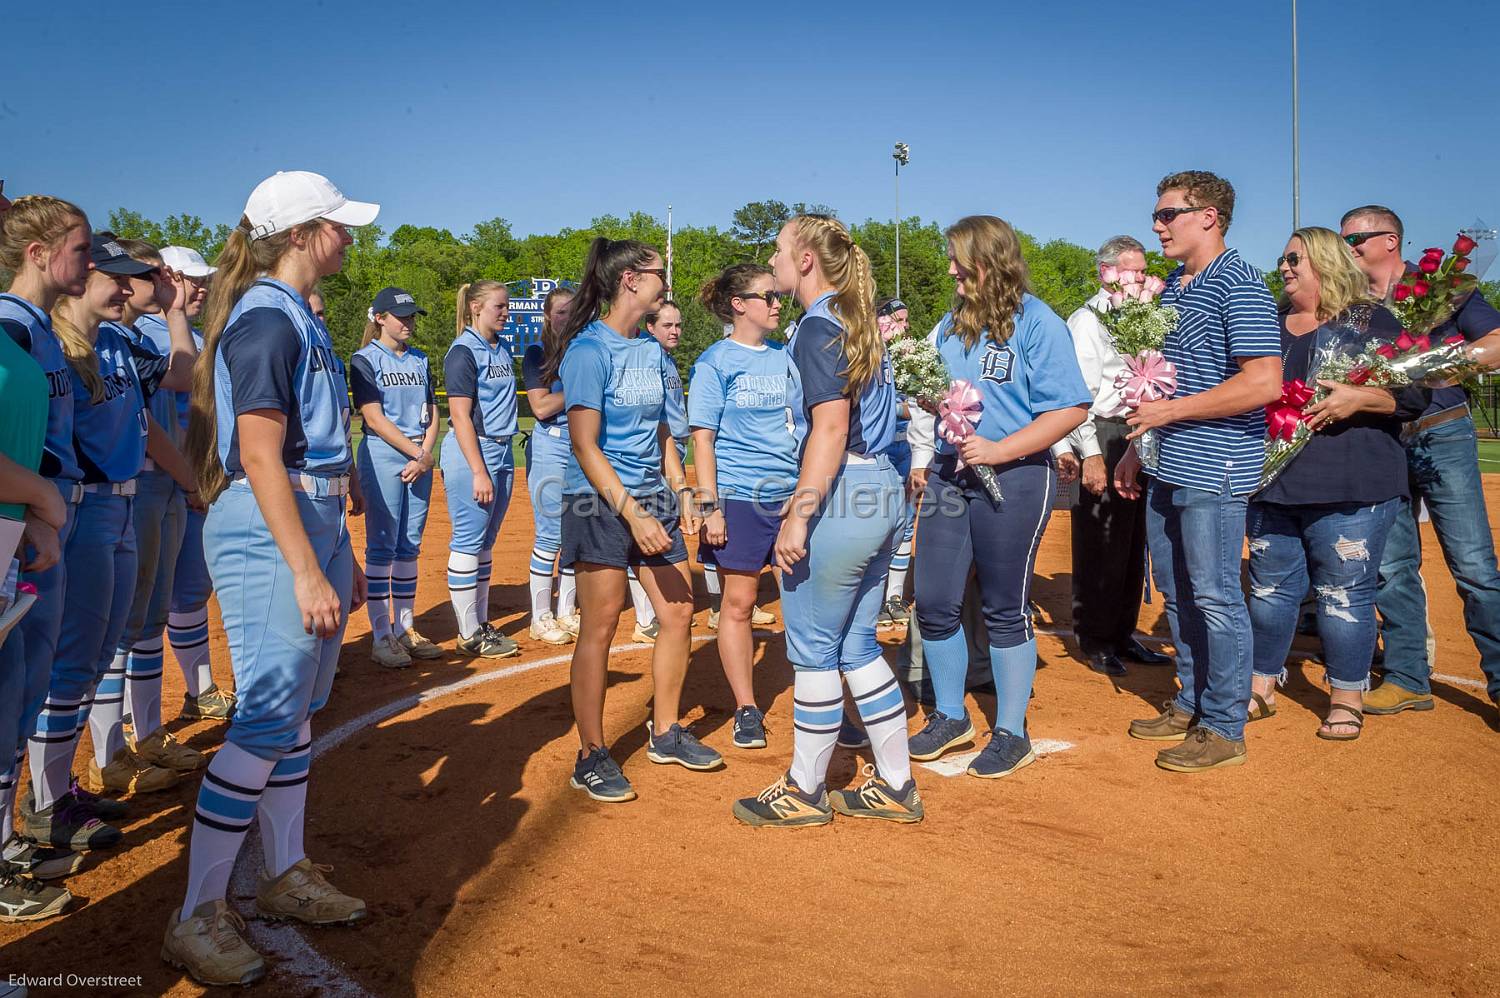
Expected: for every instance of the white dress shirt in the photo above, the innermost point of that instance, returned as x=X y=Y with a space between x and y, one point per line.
x=1100 y=363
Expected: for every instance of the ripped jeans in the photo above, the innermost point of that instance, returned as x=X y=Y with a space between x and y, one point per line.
x=1335 y=548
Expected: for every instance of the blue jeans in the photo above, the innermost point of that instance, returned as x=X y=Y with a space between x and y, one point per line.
x=1196 y=538
x=1444 y=466
x=1338 y=547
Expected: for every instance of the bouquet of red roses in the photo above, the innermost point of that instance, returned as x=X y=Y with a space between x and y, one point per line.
x=1434 y=287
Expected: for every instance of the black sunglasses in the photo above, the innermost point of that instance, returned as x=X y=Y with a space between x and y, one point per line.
x=1167 y=216
x=660 y=272
x=769 y=297
x=1291 y=260
x=1359 y=238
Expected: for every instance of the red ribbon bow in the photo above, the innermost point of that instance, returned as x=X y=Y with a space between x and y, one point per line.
x=1283 y=415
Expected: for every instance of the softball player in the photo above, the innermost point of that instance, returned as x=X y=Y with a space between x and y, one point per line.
x=269 y=438
x=111 y=382
x=187 y=621
x=393 y=390
x=547 y=451
x=478 y=466
x=44 y=242
x=747 y=464
x=837 y=535
x=894 y=319
x=619 y=507
x=1019 y=355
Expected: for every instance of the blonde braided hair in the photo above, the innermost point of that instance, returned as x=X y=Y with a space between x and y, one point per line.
x=847 y=268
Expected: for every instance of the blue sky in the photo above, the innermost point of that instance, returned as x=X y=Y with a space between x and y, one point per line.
x=1059 y=117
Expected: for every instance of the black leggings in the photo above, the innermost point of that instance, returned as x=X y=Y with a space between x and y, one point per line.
x=961 y=526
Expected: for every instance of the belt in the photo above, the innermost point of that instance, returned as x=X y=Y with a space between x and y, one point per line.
x=336 y=485
x=1410 y=430
x=852 y=458
x=111 y=488
x=72 y=491
x=551 y=431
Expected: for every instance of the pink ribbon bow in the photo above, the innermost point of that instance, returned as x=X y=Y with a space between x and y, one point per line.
x=958 y=412
x=1146 y=378
x=1283 y=415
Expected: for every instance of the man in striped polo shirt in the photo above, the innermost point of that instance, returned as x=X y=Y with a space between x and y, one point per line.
x=1227 y=351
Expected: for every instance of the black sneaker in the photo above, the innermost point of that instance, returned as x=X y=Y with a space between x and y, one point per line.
x=894 y=612
x=678 y=744
x=1005 y=754
x=875 y=798
x=784 y=805
x=597 y=775
x=941 y=734
x=20 y=858
x=852 y=735
x=486 y=642
x=26 y=900
x=749 y=728
x=100 y=807
x=68 y=824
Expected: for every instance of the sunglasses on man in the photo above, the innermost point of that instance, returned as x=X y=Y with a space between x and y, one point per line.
x=1360 y=238
x=1166 y=216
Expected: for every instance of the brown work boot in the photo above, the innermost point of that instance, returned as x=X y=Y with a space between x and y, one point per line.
x=1201 y=751
x=208 y=945
x=1388 y=698
x=302 y=893
x=1171 y=725
x=166 y=752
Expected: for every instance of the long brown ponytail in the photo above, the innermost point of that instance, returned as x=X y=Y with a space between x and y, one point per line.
x=608 y=259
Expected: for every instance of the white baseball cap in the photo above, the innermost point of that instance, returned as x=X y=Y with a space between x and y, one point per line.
x=186 y=260
x=295 y=196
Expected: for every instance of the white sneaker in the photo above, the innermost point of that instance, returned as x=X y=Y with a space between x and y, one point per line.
x=571 y=623
x=547 y=628
x=388 y=652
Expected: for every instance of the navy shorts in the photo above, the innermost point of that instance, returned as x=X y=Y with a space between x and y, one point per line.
x=751 y=529
x=595 y=534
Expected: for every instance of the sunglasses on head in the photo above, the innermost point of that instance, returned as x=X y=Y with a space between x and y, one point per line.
x=1359 y=238
x=1166 y=216
x=1291 y=260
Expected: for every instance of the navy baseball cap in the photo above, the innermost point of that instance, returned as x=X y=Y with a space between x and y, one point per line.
x=110 y=257
x=397 y=301
x=892 y=307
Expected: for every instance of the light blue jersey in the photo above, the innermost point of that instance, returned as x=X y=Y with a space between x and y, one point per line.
x=275 y=354
x=31 y=329
x=675 y=400
x=487 y=374
x=745 y=395
x=624 y=379
x=110 y=434
x=399 y=382
x=154 y=329
x=822 y=375
x=1033 y=372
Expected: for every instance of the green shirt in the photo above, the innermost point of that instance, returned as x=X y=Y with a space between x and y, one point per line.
x=23 y=412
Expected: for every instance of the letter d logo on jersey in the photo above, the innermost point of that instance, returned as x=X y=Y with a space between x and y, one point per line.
x=996 y=364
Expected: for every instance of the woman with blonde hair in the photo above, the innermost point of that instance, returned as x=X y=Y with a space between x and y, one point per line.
x=1322 y=522
x=1017 y=356
x=269 y=438
x=837 y=534
x=478 y=466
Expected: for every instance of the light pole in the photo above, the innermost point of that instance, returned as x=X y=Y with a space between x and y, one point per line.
x=1296 y=133
x=901 y=156
x=669 y=252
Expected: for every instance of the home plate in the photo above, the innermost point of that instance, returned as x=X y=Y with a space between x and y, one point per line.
x=957 y=765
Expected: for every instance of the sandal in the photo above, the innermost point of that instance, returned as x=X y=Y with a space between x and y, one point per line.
x=1259 y=709
x=1356 y=721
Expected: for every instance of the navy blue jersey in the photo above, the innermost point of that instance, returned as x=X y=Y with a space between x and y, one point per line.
x=399 y=382
x=275 y=354
x=486 y=374
x=163 y=406
x=823 y=376
x=109 y=434
x=31 y=329
x=531 y=376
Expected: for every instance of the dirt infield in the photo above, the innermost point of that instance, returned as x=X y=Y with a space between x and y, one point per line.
x=1316 y=868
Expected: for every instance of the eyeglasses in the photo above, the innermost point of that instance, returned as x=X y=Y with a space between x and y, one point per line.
x=771 y=298
x=1291 y=260
x=660 y=272
x=1167 y=216
x=1360 y=238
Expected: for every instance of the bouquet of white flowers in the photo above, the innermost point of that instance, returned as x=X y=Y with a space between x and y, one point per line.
x=920 y=370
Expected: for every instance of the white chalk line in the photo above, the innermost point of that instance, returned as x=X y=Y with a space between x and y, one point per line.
x=958 y=765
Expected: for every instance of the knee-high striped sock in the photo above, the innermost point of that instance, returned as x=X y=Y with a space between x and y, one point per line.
x=883 y=709
x=143 y=686
x=283 y=804
x=107 y=717
x=895 y=579
x=463 y=576
x=8 y=783
x=403 y=595
x=1014 y=669
x=817 y=708
x=567 y=592
x=644 y=612
x=711 y=583
x=188 y=635
x=52 y=749
x=540 y=579
x=378 y=605
x=227 y=801
x=482 y=588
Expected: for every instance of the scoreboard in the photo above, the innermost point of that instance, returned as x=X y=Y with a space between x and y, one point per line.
x=524 y=327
